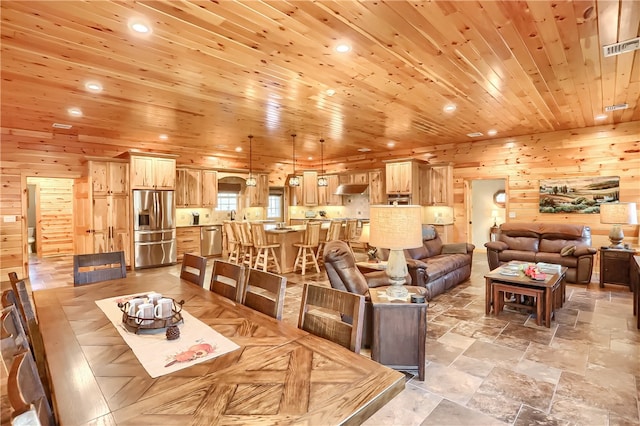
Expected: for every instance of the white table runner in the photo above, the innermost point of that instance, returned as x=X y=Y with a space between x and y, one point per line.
x=197 y=342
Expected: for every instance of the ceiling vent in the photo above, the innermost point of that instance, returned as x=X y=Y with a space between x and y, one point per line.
x=622 y=47
x=616 y=107
x=62 y=126
x=474 y=134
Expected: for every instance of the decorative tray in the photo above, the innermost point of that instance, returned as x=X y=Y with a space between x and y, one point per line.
x=139 y=325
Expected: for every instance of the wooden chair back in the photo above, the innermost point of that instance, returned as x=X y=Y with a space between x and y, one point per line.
x=258 y=234
x=193 y=269
x=322 y=310
x=96 y=267
x=9 y=299
x=13 y=338
x=33 y=331
x=264 y=292
x=243 y=233
x=13 y=277
x=312 y=234
x=25 y=390
x=350 y=230
x=230 y=231
x=227 y=279
x=335 y=229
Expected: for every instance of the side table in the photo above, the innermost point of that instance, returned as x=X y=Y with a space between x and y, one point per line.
x=615 y=266
x=399 y=331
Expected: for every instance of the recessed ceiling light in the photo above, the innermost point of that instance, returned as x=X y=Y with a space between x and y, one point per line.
x=474 y=134
x=61 y=126
x=93 y=86
x=139 y=26
x=163 y=137
x=239 y=149
x=364 y=149
x=449 y=108
x=331 y=92
x=343 y=48
x=75 y=112
x=601 y=116
x=492 y=132
x=309 y=158
x=391 y=144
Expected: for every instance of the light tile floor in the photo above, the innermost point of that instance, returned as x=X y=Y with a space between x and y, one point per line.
x=584 y=370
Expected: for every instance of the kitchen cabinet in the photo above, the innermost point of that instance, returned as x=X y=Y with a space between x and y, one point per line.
x=111 y=225
x=310 y=188
x=148 y=172
x=259 y=194
x=109 y=177
x=401 y=178
x=356 y=177
x=209 y=188
x=295 y=192
x=438 y=185
x=377 y=194
x=326 y=194
x=187 y=241
x=188 y=188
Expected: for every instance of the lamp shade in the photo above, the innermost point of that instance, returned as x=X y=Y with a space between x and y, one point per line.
x=618 y=213
x=365 y=233
x=395 y=227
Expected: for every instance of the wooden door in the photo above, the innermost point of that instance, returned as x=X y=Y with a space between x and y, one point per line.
x=360 y=178
x=119 y=222
x=310 y=188
x=209 y=188
x=98 y=171
x=188 y=188
x=118 y=178
x=101 y=223
x=377 y=194
x=82 y=216
x=142 y=173
x=165 y=173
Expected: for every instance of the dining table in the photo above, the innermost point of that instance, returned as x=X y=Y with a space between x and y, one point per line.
x=278 y=375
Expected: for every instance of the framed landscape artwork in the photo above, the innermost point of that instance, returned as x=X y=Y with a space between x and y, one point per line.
x=578 y=195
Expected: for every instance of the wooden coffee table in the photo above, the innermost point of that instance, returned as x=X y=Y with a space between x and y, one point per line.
x=553 y=287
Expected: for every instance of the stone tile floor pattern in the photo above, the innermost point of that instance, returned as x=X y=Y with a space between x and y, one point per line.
x=486 y=370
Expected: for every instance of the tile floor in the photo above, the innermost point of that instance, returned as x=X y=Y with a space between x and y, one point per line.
x=584 y=370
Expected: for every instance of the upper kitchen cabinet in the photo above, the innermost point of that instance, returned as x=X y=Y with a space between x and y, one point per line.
x=438 y=187
x=377 y=194
x=109 y=177
x=357 y=177
x=402 y=178
x=310 y=188
x=152 y=172
x=209 y=188
x=259 y=194
x=327 y=194
x=295 y=192
x=188 y=188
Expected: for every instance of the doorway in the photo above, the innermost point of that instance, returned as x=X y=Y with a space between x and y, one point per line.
x=483 y=210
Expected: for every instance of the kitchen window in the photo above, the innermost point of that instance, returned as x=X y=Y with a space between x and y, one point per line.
x=274 y=209
x=227 y=201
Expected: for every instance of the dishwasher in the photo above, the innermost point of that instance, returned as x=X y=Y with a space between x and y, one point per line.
x=211 y=240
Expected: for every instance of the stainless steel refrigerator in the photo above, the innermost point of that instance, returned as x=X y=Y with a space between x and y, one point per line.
x=154 y=228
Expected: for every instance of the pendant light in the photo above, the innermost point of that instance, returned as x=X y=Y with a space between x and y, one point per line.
x=322 y=181
x=251 y=181
x=295 y=180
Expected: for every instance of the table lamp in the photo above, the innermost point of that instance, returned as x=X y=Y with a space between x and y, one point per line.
x=494 y=216
x=396 y=228
x=618 y=214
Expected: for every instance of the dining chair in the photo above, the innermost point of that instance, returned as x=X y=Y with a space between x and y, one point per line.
x=243 y=233
x=233 y=245
x=33 y=331
x=333 y=315
x=265 y=292
x=227 y=279
x=96 y=267
x=265 y=251
x=333 y=234
x=26 y=392
x=193 y=268
x=308 y=247
x=9 y=299
x=13 y=338
x=13 y=277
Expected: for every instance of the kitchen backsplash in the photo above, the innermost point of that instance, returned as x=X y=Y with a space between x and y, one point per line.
x=184 y=217
x=355 y=206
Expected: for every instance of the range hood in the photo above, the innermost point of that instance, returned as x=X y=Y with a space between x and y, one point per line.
x=351 y=188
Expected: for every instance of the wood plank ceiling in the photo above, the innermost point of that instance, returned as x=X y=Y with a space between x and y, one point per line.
x=210 y=73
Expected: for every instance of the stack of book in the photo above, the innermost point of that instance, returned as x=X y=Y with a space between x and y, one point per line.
x=548 y=268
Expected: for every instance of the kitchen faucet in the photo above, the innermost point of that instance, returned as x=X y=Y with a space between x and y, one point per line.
x=233 y=215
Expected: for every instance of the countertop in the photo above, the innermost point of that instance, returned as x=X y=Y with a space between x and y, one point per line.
x=199 y=225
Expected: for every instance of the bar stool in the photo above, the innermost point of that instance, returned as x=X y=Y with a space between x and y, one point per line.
x=243 y=233
x=333 y=234
x=350 y=231
x=265 y=253
x=233 y=245
x=307 y=249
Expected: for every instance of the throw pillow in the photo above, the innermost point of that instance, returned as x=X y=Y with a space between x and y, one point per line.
x=428 y=232
x=567 y=250
x=457 y=248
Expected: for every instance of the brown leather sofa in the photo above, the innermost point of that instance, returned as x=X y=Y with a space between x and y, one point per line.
x=436 y=266
x=344 y=275
x=563 y=244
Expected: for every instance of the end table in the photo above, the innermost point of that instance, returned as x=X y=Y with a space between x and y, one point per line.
x=615 y=266
x=399 y=331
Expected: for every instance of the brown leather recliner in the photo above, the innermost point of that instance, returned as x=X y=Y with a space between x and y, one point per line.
x=344 y=275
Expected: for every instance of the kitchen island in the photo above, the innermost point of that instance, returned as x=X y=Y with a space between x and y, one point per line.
x=287 y=237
